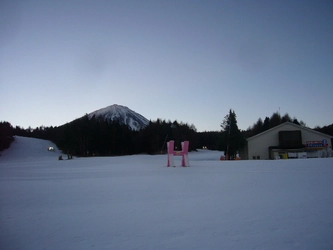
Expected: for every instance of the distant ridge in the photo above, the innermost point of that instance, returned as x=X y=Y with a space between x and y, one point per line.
x=122 y=114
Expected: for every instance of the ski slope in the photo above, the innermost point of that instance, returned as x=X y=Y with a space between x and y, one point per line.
x=136 y=202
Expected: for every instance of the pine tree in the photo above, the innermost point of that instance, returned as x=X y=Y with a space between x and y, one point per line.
x=232 y=137
x=6 y=135
x=258 y=127
x=275 y=120
x=286 y=118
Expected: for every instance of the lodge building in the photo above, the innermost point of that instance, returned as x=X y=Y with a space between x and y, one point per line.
x=285 y=141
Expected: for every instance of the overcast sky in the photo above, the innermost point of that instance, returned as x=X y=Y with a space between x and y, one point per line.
x=189 y=61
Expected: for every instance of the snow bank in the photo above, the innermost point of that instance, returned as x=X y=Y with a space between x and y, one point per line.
x=136 y=202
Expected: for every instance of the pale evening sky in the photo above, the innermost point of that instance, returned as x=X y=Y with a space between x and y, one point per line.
x=189 y=61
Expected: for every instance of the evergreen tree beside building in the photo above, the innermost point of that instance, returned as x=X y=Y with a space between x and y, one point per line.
x=232 y=138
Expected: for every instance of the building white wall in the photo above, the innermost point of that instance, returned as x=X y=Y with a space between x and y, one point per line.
x=313 y=136
x=258 y=145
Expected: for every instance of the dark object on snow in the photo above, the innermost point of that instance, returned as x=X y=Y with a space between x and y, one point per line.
x=60 y=157
x=69 y=156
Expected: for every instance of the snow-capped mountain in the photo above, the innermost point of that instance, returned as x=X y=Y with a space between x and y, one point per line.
x=122 y=114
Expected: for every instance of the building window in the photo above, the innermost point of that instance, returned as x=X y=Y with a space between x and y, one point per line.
x=258 y=157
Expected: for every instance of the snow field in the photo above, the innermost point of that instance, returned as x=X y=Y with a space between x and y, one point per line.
x=136 y=202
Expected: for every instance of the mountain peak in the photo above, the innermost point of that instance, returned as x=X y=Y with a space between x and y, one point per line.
x=122 y=114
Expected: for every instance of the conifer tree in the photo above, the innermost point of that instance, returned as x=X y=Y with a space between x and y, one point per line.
x=286 y=118
x=232 y=137
x=266 y=125
x=6 y=135
x=258 y=127
x=275 y=120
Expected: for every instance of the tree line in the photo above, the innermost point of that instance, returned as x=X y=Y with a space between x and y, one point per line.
x=96 y=137
x=270 y=122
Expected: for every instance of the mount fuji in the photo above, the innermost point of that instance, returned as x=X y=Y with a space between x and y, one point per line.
x=122 y=114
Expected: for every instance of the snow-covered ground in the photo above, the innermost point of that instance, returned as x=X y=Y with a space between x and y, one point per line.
x=136 y=202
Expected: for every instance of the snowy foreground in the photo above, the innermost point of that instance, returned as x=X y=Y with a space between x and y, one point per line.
x=136 y=202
